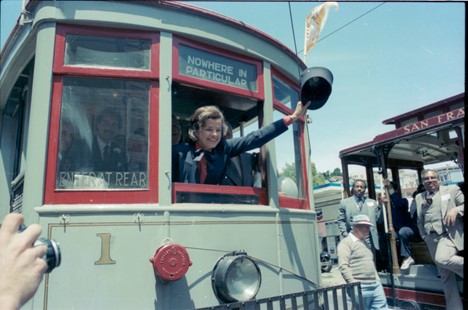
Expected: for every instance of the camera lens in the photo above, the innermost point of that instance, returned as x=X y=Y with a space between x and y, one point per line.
x=53 y=255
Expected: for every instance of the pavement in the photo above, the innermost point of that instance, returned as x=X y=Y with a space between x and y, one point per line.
x=333 y=277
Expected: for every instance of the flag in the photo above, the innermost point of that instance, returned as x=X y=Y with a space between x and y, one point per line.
x=315 y=22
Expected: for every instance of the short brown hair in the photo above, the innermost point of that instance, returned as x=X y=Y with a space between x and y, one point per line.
x=201 y=115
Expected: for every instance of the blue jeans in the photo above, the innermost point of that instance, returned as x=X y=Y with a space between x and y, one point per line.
x=373 y=296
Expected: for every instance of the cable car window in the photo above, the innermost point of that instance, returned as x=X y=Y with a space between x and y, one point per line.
x=284 y=93
x=103 y=140
x=289 y=161
x=109 y=52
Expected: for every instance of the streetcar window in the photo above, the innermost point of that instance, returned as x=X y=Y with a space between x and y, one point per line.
x=284 y=93
x=103 y=140
x=289 y=161
x=89 y=51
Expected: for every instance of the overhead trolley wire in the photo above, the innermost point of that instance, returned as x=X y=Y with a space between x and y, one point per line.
x=333 y=32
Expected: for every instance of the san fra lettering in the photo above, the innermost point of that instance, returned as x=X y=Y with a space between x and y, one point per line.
x=459 y=113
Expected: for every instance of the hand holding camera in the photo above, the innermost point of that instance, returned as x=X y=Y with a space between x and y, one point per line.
x=23 y=260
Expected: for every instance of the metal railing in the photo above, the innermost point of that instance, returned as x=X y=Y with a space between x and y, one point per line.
x=333 y=297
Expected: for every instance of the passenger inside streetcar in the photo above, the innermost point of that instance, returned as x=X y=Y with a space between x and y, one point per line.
x=405 y=231
x=108 y=155
x=205 y=157
x=137 y=151
x=176 y=130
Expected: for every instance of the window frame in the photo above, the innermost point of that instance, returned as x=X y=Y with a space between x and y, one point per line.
x=177 y=41
x=288 y=202
x=60 y=71
x=60 y=67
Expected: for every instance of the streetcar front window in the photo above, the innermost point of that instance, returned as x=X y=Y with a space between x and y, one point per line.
x=103 y=139
x=88 y=51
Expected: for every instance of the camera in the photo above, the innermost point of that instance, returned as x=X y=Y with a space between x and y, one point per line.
x=53 y=255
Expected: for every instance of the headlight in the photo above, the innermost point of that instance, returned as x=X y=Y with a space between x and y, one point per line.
x=236 y=277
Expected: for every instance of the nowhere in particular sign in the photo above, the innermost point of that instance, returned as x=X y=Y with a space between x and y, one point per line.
x=215 y=68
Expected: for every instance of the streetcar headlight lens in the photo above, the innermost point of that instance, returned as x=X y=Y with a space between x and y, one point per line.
x=236 y=277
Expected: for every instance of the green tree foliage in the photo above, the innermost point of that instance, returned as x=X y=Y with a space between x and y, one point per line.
x=317 y=178
x=289 y=170
x=336 y=173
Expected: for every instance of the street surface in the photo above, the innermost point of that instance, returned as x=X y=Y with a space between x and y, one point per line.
x=333 y=278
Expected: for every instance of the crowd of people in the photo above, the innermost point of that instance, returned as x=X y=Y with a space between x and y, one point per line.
x=435 y=216
x=209 y=156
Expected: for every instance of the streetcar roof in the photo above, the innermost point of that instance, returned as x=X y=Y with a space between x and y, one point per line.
x=422 y=136
x=31 y=4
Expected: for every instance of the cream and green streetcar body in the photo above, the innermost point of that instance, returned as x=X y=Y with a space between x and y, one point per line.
x=130 y=237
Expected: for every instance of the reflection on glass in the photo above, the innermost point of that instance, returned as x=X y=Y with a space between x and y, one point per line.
x=284 y=93
x=107 y=52
x=288 y=161
x=103 y=140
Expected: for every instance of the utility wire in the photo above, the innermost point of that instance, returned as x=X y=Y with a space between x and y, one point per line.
x=333 y=32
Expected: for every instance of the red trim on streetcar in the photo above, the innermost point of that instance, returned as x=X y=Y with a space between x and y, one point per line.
x=428 y=298
x=259 y=94
x=60 y=41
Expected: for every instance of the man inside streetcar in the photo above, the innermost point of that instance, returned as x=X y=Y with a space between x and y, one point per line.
x=176 y=130
x=440 y=212
x=204 y=159
x=358 y=203
x=405 y=231
x=107 y=154
x=73 y=154
x=137 y=151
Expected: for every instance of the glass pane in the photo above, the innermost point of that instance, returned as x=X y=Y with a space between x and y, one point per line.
x=103 y=141
x=289 y=162
x=92 y=51
x=284 y=93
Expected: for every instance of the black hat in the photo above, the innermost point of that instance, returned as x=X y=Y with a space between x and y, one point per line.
x=316 y=86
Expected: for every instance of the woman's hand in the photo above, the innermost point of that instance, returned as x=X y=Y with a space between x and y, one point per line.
x=300 y=111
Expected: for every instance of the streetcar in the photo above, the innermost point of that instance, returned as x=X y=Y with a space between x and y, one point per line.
x=129 y=237
x=432 y=136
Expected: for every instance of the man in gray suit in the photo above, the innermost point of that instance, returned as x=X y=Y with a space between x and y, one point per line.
x=359 y=204
x=440 y=212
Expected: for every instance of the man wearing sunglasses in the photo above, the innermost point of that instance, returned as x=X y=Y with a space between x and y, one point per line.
x=440 y=212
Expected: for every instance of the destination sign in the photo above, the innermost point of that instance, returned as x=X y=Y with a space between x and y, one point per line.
x=424 y=124
x=215 y=68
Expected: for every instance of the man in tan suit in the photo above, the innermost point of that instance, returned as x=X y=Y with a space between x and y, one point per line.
x=440 y=212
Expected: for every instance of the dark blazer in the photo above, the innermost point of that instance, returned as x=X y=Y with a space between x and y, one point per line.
x=240 y=169
x=116 y=162
x=185 y=168
x=348 y=209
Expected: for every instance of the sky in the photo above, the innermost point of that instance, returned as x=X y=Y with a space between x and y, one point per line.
x=387 y=58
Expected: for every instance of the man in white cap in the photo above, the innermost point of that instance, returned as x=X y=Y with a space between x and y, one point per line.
x=356 y=263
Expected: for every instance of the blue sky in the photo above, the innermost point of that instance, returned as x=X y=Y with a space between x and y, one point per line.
x=386 y=60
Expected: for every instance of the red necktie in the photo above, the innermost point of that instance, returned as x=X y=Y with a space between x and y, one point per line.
x=202 y=169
